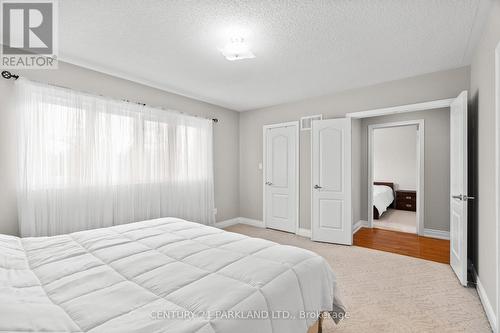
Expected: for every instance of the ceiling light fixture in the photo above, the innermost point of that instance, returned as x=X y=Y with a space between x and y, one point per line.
x=237 y=49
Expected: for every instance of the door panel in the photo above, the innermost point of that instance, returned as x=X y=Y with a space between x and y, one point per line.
x=280 y=206
x=330 y=213
x=331 y=181
x=455 y=227
x=330 y=165
x=458 y=187
x=279 y=153
x=280 y=177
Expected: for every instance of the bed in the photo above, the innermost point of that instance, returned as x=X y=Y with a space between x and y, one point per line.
x=383 y=198
x=162 y=275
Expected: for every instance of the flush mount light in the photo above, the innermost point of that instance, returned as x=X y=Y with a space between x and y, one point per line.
x=237 y=49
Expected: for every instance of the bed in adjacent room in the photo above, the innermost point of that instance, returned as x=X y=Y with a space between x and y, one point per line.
x=165 y=275
x=383 y=198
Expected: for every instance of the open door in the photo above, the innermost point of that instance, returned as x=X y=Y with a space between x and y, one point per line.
x=331 y=181
x=458 y=187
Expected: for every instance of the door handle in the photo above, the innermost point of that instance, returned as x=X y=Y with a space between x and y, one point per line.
x=269 y=183
x=463 y=197
x=317 y=187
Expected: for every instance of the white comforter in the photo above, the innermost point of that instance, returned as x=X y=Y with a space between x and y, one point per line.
x=163 y=275
x=383 y=196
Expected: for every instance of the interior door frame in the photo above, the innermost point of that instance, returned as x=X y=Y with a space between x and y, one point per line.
x=497 y=174
x=297 y=170
x=420 y=123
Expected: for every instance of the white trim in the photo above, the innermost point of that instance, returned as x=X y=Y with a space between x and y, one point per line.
x=439 y=104
x=239 y=220
x=297 y=178
x=486 y=305
x=497 y=169
x=304 y=232
x=252 y=222
x=255 y=223
x=358 y=225
x=288 y=123
x=434 y=233
x=297 y=170
x=311 y=202
x=227 y=223
x=420 y=168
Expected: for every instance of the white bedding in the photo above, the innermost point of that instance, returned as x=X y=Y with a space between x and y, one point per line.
x=131 y=278
x=383 y=196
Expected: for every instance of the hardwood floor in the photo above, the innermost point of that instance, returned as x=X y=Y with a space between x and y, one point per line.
x=404 y=243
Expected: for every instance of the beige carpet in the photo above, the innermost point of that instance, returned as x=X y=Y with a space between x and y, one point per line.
x=397 y=220
x=386 y=292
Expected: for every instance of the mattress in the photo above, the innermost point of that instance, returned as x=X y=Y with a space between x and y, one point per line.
x=383 y=196
x=163 y=275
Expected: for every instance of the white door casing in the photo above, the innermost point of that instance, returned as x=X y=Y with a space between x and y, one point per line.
x=331 y=181
x=458 y=187
x=281 y=176
x=497 y=173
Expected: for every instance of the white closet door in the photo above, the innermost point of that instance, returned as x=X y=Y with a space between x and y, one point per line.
x=281 y=177
x=458 y=187
x=331 y=181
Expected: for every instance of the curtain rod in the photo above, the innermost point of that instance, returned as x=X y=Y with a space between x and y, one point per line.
x=8 y=75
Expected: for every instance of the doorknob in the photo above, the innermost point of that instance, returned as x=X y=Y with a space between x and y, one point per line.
x=317 y=187
x=269 y=183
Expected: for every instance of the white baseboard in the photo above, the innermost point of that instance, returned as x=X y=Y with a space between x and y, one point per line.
x=239 y=220
x=434 y=233
x=304 y=232
x=255 y=223
x=358 y=225
x=252 y=222
x=486 y=305
x=227 y=223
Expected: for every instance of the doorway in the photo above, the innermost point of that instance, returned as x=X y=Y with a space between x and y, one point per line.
x=455 y=203
x=396 y=176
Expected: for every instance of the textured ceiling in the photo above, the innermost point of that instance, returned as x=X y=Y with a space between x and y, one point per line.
x=303 y=48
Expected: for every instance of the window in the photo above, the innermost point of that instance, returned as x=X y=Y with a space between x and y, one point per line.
x=103 y=162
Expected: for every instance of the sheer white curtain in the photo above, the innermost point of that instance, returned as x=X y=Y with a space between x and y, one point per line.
x=87 y=161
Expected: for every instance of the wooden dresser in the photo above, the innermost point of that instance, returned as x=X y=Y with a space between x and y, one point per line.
x=406 y=200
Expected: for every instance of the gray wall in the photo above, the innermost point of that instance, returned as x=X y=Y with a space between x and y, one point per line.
x=483 y=96
x=226 y=133
x=436 y=164
x=395 y=156
x=445 y=84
